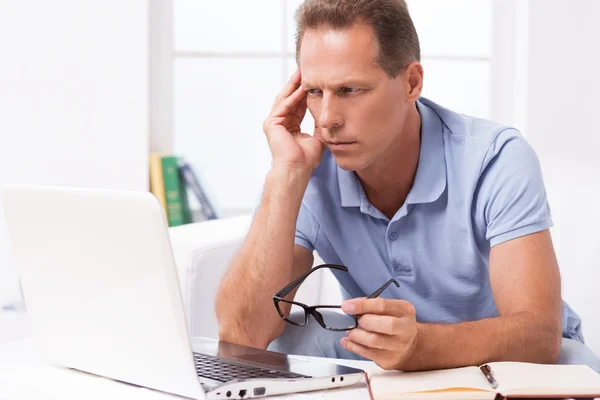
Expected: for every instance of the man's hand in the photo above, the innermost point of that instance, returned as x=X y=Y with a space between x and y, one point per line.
x=289 y=146
x=387 y=332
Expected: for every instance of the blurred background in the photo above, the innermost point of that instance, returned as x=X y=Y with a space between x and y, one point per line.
x=89 y=89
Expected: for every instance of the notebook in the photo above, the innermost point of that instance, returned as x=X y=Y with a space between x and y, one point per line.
x=490 y=381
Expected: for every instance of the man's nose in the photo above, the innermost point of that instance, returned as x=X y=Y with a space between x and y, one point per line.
x=330 y=116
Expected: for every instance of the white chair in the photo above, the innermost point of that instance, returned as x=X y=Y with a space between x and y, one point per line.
x=202 y=254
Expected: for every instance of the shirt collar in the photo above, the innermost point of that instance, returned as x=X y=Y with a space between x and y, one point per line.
x=430 y=179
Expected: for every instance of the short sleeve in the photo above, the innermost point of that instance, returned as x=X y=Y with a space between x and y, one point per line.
x=307 y=228
x=511 y=194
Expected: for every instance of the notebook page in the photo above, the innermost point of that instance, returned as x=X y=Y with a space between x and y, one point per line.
x=449 y=394
x=524 y=378
x=407 y=382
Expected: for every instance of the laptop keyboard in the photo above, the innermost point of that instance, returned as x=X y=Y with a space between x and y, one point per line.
x=223 y=370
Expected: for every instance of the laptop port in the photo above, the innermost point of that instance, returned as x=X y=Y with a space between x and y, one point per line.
x=259 y=391
x=242 y=393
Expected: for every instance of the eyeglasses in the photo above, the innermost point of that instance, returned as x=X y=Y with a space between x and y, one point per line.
x=299 y=312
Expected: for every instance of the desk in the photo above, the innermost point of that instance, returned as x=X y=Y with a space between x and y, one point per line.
x=24 y=376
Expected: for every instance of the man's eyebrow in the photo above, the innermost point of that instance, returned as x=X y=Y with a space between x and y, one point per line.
x=347 y=83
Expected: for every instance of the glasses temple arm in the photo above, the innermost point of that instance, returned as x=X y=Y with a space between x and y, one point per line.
x=286 y=290
x=381 y=289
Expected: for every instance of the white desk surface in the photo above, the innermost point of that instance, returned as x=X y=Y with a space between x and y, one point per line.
x=23 y=375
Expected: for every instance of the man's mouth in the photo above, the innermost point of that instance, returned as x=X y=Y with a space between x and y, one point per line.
x=339 y=145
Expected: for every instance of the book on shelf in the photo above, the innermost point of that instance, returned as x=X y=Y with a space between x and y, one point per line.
x=178 y=189
x=191 y=180
x=496 y=380
x=157 y=185
x=173 y=189
x=188 y=213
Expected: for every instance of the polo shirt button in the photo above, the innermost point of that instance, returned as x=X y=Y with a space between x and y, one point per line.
x=393 y=236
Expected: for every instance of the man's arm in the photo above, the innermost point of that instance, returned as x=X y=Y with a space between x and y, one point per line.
x=525 y=281
x=267 y=261
x=526 y=284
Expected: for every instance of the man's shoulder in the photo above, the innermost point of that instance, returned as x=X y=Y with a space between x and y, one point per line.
x=470 y=128
x=478 y=140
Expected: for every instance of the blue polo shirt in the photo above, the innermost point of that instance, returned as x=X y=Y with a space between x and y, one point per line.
x=477 y=184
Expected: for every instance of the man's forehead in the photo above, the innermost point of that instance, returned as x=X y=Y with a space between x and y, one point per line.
x=337 y=57
x=337 y=46
x=358 y=35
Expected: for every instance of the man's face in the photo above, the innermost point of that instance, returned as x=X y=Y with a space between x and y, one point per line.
x=360 y=111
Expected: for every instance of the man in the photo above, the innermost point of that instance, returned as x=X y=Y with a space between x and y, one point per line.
x=392 y=185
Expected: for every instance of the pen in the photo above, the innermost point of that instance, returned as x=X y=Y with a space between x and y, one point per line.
x=487 y=371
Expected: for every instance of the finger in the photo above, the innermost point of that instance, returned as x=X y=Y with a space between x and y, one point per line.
x=301 y=107
x=291 y=85
x=371 y=340
x=366 y=352
x=383 y=324
x=379 y=306
x=284 y=107
x=317 y=132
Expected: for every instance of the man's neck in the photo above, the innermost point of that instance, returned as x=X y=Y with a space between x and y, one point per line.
x=388 y=181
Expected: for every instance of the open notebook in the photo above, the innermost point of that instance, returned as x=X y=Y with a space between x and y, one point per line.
x=511 y=379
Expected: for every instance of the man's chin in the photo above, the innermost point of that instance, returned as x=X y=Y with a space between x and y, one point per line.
x=348 y=163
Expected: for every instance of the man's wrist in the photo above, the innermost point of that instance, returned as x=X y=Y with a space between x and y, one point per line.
x=289 y=176
x=414 y=360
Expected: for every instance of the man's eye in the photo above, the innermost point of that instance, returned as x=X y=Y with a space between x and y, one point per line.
x=313 y=91
x=349 y=90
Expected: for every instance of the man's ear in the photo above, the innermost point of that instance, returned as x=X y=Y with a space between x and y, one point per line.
x=413 y=80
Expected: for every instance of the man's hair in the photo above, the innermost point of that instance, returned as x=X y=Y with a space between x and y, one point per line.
x=397 y=43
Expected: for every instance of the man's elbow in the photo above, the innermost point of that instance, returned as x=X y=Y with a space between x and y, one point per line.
x=554 y=347
x=233 y=332
x=239 y=325
x=553 y=342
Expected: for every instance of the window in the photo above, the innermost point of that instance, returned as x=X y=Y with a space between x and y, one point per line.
x=232 y=57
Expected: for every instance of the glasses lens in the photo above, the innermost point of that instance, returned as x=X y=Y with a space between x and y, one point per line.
x=297 y=315
x=335 y=318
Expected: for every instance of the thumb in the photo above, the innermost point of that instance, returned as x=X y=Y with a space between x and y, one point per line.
x=317 y=132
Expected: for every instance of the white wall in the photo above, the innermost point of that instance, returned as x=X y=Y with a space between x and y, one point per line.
x=563 y=98
x=74 y=103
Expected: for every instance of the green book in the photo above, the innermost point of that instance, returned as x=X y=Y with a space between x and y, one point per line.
x=185 y=199
x=173 y=187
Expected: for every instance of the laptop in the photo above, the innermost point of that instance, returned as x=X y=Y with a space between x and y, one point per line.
x=103 y=297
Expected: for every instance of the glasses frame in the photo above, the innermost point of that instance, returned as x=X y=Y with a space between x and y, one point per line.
x=313 y=310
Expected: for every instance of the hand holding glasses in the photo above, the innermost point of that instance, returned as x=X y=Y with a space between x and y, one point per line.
x=300 y=312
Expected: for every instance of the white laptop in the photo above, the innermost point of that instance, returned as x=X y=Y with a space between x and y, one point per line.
x=103 y=296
